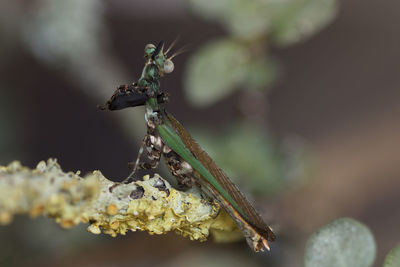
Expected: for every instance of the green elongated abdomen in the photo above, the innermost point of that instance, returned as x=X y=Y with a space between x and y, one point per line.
x=214 y=179
x=171 y=139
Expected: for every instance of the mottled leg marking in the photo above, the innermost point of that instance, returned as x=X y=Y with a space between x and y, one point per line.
x=152 y=146
x=179 y=168
x=153 y=151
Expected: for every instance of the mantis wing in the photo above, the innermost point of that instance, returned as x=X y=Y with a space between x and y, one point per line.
x=216 y=183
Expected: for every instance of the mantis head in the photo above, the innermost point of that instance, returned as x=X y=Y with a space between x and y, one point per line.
x=155 y=54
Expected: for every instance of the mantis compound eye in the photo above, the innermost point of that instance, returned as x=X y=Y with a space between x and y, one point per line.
x=148 y=50
x=149 y=46
x=168 y=66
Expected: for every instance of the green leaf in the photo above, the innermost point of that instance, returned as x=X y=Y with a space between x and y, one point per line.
x=393 y=258
x=209 y=9
x=299 y=19
x=243 y=18
x=249 y=20
x=215 y=71
x=288 y=21
x=254 y=160
x=343 y=243
x=260 y=73
x=247 y=155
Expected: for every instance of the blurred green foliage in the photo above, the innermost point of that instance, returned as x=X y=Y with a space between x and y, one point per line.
x=343 y=243
x=393 y=258
x=241 y=60
x=284 y=22
x=213 y=71
x=222 y=66
x=258 y=155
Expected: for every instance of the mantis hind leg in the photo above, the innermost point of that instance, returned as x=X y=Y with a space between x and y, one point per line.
x=182 y=170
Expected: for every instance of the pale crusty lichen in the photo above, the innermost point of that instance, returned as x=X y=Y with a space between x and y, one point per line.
x=150 y=205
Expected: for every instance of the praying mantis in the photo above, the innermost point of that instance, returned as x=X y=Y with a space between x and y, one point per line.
x=185 y=159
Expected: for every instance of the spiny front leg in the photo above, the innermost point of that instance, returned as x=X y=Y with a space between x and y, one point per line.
x=152 y=145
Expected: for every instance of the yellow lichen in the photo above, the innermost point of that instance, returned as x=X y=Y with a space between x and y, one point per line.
x=5 y=218
x=94 y=229
x=36 y=211
x=112 y=209
x=107 y=207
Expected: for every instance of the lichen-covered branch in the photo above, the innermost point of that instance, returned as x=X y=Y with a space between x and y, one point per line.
x=150 y=205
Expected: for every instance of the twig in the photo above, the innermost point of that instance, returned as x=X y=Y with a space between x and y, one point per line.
x=150 y=205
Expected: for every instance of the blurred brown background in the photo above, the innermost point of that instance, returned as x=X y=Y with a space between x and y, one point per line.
x=337 y=93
